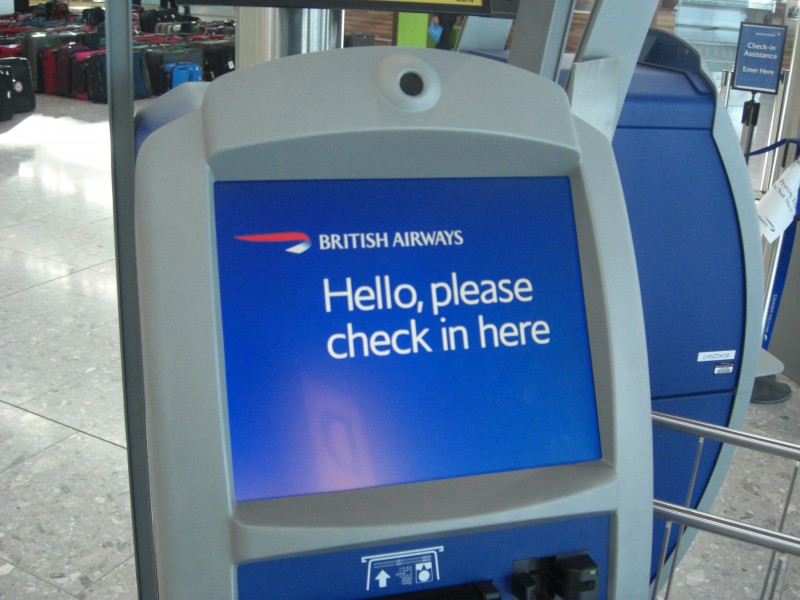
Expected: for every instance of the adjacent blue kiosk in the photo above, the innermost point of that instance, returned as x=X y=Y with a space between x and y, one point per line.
x=393 y=338
x=692 y=216
x=698 y=252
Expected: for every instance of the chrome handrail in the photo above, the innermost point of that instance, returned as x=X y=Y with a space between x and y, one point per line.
x=687 y=517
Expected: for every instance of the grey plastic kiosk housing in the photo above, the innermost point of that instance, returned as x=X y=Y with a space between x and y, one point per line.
x=328 y=139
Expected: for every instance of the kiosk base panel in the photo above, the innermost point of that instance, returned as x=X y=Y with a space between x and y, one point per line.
x=462 y=564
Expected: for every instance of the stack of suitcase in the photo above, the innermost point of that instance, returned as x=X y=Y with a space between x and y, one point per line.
x=68 y=59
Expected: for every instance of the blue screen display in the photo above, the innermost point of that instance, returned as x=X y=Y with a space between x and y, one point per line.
x=381 y=332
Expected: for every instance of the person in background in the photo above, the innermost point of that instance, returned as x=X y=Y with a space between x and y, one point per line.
x=173 y=4
x=446 y=22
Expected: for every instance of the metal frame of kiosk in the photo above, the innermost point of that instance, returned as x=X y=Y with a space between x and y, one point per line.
x=242 y=529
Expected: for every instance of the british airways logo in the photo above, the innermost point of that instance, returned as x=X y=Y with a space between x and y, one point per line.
x=360 y=241
x=281 y=237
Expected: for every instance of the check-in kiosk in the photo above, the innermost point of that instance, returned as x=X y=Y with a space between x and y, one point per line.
x=695 y=232
x=392 y=337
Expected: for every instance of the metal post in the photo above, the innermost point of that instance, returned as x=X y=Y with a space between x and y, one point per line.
x=120 y=99
x=545 y=26
x=725 y=86
x=781 y=525
x=688 y=502
x=749 y=123
x=265 y=34
x=314 y=30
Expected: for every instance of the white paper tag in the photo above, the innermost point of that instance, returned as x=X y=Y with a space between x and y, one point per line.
x=779 y=205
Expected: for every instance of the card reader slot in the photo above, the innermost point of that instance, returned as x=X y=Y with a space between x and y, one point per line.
x=573 y=576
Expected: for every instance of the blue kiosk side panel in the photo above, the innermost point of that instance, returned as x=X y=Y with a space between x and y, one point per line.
x=686 y=235
x=691 y=267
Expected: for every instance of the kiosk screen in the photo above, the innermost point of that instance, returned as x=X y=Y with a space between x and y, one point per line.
x=381 y=332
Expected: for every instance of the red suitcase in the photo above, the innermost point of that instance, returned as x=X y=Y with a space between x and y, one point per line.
x=48 y=58
x=10 y=50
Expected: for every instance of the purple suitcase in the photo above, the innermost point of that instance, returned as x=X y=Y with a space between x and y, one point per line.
x=64 y=66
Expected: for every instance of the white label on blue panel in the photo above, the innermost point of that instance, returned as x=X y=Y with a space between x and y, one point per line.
x=714 y=356
x=394 y=569
x=723 y=368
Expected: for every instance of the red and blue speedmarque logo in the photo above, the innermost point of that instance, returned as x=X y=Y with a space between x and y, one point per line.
x=283 y=236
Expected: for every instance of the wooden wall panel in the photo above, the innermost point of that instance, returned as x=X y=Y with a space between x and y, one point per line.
x=377 y=22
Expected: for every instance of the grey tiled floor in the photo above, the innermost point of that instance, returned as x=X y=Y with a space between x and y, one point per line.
x=65 y=525
x=65 y=528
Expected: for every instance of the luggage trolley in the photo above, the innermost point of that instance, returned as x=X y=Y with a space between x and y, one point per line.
x=392 y=341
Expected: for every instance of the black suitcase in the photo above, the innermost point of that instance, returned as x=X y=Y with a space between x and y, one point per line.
x=170 y=28
x=6 y=93
x=141 y=78
x=93 y=16
x=95 y=78
x=150 y=18
x=218 y=57
x=94 y=74
x=351 y=40
x=24 y=96
x=63 y=36
x=78 y=85
x=156 y=58
x=95 y=40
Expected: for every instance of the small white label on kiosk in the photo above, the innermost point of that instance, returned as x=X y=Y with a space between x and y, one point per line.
x=723 y=368
x=411 y=567
x=714 y=356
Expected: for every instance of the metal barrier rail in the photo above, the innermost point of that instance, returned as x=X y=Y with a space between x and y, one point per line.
x=725 y=435
x=777 y=541
x=780 y=542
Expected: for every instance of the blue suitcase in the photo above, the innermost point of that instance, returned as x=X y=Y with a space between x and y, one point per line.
x=182 y=72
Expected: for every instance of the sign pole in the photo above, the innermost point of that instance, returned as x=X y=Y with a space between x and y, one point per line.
x=749 y=122
x=759 y=57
